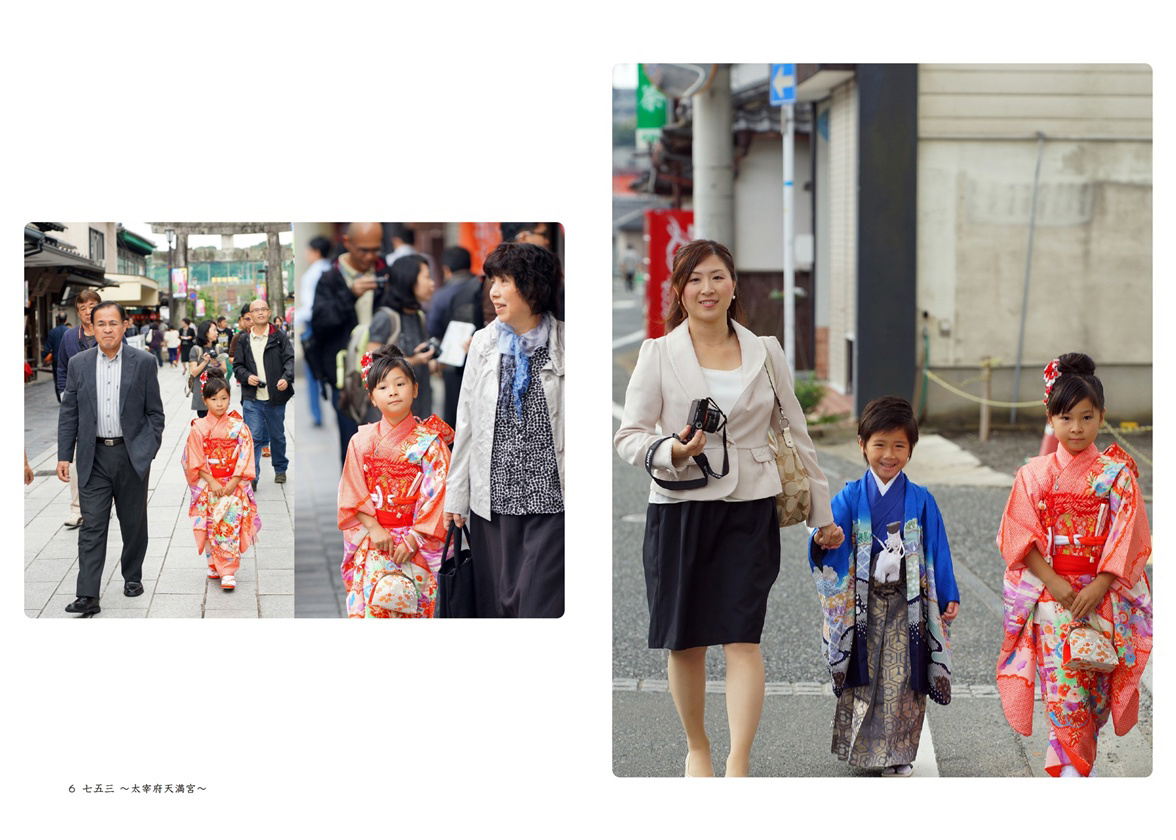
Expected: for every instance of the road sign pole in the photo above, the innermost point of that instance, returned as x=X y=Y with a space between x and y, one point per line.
x=782 y=92
x=786 y=113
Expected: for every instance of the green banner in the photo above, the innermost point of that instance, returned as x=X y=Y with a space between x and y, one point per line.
x=651 y=109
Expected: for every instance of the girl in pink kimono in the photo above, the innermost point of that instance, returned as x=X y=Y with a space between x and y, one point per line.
x=392 y=498
x=1075 y=540
x=218 y=463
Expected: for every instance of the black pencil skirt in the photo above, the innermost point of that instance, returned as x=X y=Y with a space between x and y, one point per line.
x=709 y=567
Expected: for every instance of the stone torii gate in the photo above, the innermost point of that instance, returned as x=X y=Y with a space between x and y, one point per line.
x=275 y=292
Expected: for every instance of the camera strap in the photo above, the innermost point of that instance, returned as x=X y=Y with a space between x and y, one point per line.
x=700 y=460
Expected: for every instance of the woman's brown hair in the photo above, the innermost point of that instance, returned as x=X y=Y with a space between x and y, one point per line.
x=686 y=260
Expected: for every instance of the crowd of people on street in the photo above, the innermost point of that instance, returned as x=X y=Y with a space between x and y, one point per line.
x=372 y=338
x=111 y=420
x=1074 y=537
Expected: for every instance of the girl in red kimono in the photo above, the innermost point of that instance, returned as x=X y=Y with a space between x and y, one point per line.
x=218 y=463
x=392 y=498
x=1075 y=539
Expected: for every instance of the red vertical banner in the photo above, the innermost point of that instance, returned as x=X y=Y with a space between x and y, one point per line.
x=665 y=232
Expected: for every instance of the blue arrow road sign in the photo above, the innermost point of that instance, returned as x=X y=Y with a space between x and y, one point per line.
x=782 y=84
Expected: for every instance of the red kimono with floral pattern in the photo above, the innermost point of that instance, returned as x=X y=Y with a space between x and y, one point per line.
x=1067 y=505
x=224 y=526
x=396 y=474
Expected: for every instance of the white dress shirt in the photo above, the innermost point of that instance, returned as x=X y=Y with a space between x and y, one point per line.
x=109 y=380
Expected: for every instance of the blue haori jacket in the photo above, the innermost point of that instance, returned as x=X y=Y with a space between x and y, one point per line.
x=843 y=586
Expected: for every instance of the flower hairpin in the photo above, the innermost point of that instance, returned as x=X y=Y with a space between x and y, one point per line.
x=1050 y=375
x=365 y=365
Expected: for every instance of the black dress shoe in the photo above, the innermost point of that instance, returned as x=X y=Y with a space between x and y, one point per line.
x=84 y=605
x=133 y=589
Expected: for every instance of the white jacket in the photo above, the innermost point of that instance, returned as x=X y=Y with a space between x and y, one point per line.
x=665 y=381
x=468 y=485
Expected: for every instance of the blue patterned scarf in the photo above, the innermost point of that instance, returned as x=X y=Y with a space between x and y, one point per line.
x=521 y=348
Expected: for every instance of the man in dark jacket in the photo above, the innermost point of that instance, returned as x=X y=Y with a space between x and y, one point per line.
x=53 y=340
x=75 y=340
x=344 y=297
x=265 y=387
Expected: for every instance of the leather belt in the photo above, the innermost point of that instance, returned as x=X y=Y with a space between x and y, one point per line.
x=110 y=441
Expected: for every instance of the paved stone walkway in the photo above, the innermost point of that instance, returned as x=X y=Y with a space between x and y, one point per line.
x=174 y=575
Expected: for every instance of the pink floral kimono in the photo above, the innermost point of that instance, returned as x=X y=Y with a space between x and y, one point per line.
x=397 y=475
x=1085 y=514
x=224 y=526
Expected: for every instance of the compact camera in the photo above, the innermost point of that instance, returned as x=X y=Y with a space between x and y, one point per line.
x=435 y=344
x=705 y=415
x=261 y=384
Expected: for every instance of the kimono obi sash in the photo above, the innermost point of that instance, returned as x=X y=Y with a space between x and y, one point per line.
x=221 y=456
x=1084 y=518
x=393 y=484
x=1074 y=564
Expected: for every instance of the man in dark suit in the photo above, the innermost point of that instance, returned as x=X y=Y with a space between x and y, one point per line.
x=112 y=417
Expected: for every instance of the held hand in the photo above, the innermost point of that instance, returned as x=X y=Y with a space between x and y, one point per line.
x=215 y=487
x=953 y=609
x=63 y=471
x=363 y=284
x=380 y=538
x=231 y=486
x=1061 y=591
x=282 y=385
x=454 y=518
x=829 y=536
x=1090 y=596
x=693 y=446
x=253 y=379
x=28 y=474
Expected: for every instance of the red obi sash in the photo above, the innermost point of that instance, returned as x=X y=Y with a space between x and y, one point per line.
x=1075 y=564
x=221 y=456
x=394 y=485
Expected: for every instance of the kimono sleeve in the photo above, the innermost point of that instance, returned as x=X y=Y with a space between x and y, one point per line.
x=1020 y=526
x=429 y=517
x=1128 y=545
x=246 y=470
x=937 y=549
x=194 y=460
x=353 y=492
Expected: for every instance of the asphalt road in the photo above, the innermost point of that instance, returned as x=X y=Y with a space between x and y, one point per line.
x=969 y=737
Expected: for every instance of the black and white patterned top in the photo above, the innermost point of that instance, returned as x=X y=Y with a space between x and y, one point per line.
x=524 y=478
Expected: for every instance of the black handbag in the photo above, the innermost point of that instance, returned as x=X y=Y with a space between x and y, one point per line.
x=455 y=580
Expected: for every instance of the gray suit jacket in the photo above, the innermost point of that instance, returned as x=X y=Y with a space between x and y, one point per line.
x=140 y=410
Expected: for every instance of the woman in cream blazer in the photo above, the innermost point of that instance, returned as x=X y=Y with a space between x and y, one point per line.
x=712 y=553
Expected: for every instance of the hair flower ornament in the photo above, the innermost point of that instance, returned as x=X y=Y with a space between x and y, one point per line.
x=1050 y=375
x=365 y=365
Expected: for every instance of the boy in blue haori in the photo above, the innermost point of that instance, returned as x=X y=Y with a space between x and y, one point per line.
x=887 y=594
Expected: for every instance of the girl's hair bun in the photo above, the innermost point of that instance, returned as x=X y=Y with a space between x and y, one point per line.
x=1078 y=364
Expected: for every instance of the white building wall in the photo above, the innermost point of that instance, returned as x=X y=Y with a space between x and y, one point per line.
x=1090 y=275
x=759 y=204
x=78 y=235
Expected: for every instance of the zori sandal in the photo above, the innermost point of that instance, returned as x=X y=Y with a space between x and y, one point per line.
x=213 y=574
x=228 y=583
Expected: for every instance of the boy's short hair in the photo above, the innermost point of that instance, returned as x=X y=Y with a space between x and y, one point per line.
x=886 y=413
